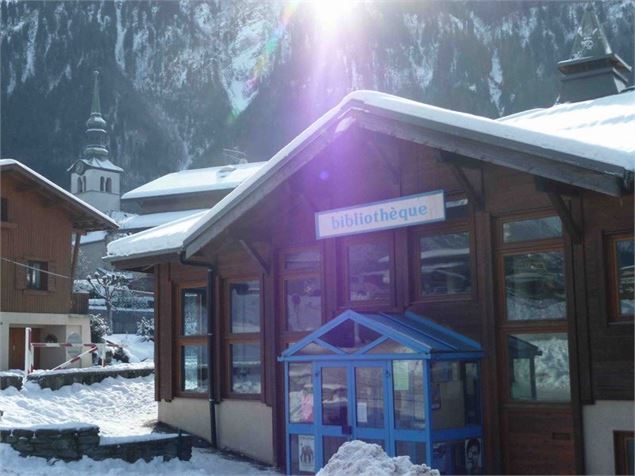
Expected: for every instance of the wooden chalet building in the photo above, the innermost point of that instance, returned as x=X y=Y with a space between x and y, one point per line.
x=39 y=222
x=408 y=223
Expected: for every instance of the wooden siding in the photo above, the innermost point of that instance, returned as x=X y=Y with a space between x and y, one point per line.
x=36 y=230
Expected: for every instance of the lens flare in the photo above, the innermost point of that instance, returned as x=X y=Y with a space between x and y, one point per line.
x=329 y=14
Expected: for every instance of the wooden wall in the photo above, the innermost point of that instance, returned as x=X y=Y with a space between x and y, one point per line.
x=36 y=230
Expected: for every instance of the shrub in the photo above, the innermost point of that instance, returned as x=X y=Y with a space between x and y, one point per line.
x=145 y=328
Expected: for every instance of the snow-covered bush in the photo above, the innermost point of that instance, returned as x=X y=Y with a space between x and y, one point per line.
x=145 y=328
x=366 y=459
x=98 y=328
x=121 y=355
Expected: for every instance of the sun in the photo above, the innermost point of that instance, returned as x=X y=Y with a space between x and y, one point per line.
x=329 y=14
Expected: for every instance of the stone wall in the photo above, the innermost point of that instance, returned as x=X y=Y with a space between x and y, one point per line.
x=72 y=442
x=56 y=380
x=7 y=381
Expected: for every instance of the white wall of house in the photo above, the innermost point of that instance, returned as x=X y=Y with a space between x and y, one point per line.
x=92 y=193
x=232 y=417
x=600 y=421
x=59 y=325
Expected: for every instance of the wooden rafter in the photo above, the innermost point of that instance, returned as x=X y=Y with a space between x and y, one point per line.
x=565 y=215
x=371 y=143
x=253 y=253
x=472 y=194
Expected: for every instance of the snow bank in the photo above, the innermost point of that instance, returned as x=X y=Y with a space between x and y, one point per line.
x=365 y=459
x=131 y=366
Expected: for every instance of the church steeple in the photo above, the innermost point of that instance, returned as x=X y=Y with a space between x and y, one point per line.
x=96 y=135
x=593 y=70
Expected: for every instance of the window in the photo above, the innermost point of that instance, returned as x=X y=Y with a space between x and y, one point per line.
x=84 y=184
x=36 y=275
x=108 y=185
x=369 y=265
x=624 y=446
x=444 y=263
x=243 y=337
x=101 y=184
x=301 y=276
x=622 y=277
x=192 y=342
x=533 y=309
x=79 y=185
x=4 y=210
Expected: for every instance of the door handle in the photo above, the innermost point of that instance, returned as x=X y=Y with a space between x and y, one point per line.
x=347 y=430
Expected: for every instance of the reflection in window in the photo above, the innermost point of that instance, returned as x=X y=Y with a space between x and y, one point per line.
x=36 y=276
x=350 y=336
x=300 y=393
x=625 y=264
x=458 y=457
x=456 y=209
x=194 y=368
x=369 y=272
x=308 y=260
x=245 y=306
x=369 y=397
x=245 y=360
x=532 y=229
x=194 y=312
x=445 y=264
x=408 y=395
x=534 y=286
x=334 y=396
x=304 y=303
x=414 y=449
x=455 y=394
x=539 y=366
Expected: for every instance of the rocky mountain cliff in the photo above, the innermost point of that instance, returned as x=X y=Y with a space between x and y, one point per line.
x=182 y=80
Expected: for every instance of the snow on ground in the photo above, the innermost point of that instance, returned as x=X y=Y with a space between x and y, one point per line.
x=366 y=459
x=203 y=462
x=136 y=347
x=119 y=406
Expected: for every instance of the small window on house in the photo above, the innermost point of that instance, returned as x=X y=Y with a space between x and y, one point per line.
x=622 y=279
x=108 y=185
x=80 y=186
x=192 y=341
x=4 y=210
x=101 y=184
x=84 y=184
x=36 y=276
x=369 y=272
x=244 y=337
x=445 y=264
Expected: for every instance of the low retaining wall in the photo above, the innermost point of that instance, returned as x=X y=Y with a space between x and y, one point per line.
x=7 y=381
x=72 y=442
x=58 y=378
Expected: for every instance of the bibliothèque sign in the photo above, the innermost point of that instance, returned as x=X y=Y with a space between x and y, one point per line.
x=394 y=213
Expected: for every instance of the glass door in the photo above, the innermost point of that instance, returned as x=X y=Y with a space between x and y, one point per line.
x=369 y=392
x=333 y=413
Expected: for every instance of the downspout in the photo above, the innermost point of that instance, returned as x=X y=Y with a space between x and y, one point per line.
x=210 y=342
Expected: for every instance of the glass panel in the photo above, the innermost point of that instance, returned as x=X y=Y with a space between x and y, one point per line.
x=304 y=260
x=334 y=396
x=539 y=366
x=194 y=312
x=350 y=336
x=369 y=272
x=304 y=303
x=194 y=368
x=300 y=393
x=369 y=394
x=532 y=229
x=455 y=394
x=35 y=278
x=245 y=368
x=456 y=209
x=390 y=346
x=408 y=396
x=625 y=276
x=534 y=286
x=445 y=264
x=313 y=349
x=331 y=445
x=458 y=457
x=414 y=449
x=302 y=454
x=245 y=306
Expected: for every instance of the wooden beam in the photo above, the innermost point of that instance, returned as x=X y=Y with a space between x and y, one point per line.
x=549 y=186
x=371 y=144
x=253 y=253
x=565 y=215
x=75 y=255
x=473 y=196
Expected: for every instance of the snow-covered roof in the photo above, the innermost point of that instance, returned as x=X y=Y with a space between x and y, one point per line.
x=190 y=234
x=96 y=163
x=150 y=220
x=93 y=237
x=607 y=122
x=223 y=177
x=91 y=218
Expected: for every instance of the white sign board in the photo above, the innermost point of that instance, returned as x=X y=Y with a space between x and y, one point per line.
x=395 y=213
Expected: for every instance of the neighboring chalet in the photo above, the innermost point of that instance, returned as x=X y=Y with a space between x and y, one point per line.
x=39 y=222
x=454 y=288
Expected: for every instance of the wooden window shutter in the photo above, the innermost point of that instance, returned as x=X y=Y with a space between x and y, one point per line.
x=51 y=278
x=20 y=276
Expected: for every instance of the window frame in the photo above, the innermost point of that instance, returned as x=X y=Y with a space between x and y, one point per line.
x=230 y=338
x=620 y=452
x=288 y=336
x=344 y=244
x=181 y=340
x=614 y=316
x=43 y=275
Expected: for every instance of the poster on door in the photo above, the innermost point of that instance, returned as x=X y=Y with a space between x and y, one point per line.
x=306 y=453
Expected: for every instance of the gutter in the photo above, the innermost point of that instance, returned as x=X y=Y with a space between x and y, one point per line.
x=210 y=342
